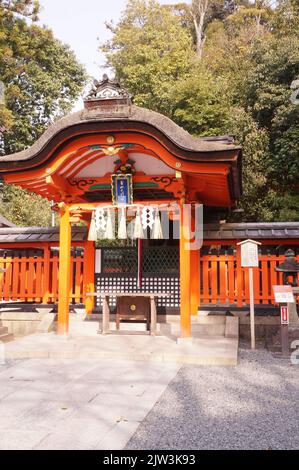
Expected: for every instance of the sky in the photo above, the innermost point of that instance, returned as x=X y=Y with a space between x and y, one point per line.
x=81 y=24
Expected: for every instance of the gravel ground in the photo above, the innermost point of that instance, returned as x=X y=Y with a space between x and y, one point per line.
x=252 y=406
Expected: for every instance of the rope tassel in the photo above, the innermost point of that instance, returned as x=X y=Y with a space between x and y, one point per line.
x=157 y=233
x=138 y=230
x=109 y=233
x=122 y=225
x=92 y=233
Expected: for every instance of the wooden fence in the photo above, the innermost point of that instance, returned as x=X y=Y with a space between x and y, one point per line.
x=35 y=279
x=223 y=280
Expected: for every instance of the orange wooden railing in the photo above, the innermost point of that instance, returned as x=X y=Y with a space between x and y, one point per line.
x=224 y=281
x=35 y=279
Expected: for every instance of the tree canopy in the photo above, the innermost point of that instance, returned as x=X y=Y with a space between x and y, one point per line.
x=149 y=42
x=42 y=79
x=234 y=76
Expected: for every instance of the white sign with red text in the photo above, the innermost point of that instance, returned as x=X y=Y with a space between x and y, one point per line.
x=283 y=294
x=284 y=315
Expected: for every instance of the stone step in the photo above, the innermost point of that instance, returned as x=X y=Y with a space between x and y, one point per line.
x=200 y=318
x=47 y=323
x=210 y=319
x=6 y=338
x=208 y=329
x=92 y=328
x=3 y=330
x=203 y=329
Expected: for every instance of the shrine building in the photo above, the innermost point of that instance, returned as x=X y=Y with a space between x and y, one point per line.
x=114 y=160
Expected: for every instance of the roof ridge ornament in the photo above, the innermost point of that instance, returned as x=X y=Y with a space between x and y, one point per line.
x=108 y=99
x=107 y=91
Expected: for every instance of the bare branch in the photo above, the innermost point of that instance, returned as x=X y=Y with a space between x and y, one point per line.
x=198 y=11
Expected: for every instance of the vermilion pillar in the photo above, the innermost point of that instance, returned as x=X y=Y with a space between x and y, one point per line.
x=194 y=281
x=46 y=279
x=89 y=273
x=185 y=232
x=195 y=271
x=64 y=270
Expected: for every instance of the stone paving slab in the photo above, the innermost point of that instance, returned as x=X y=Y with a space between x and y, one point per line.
x=80 y=392
x=77 y=404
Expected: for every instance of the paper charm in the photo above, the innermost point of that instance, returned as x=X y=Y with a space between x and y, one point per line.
x=147 y=217
x=100 y=221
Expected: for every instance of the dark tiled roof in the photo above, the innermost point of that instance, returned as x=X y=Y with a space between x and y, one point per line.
x=38 y=235
x=275 y=230
x=243 y=231
x=5 y=223
x=175 y=133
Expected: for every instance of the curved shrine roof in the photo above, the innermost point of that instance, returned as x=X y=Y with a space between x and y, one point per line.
x=109 y=104
x=108 y=111
x=176 y=134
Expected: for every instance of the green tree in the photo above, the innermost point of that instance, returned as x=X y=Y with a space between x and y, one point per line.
x=149 y=51
x=197 y=15
x=255 y=143
x=239 y=83
x=200 y=106
x=26 y=8
x=42 y=80
x=24 y=208
x=275 y=67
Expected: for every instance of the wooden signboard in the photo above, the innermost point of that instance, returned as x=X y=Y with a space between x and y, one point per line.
x=122 y=190
x=249 y=254
x=250 y=259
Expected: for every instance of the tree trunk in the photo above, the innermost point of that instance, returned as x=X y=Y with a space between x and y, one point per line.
x=198 y=11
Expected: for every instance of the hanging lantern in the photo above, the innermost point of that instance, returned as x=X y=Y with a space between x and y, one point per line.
x=157 y=232
x=138 y=230
x=109 y=232
x=92 y=233
x=122 y=225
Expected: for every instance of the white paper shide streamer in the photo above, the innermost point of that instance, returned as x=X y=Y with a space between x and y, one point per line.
x=100 y=219
x=102 y=224
x=147 y=217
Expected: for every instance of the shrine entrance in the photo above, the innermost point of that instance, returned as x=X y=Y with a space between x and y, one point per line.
x=130 y=175
x=117 y=269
